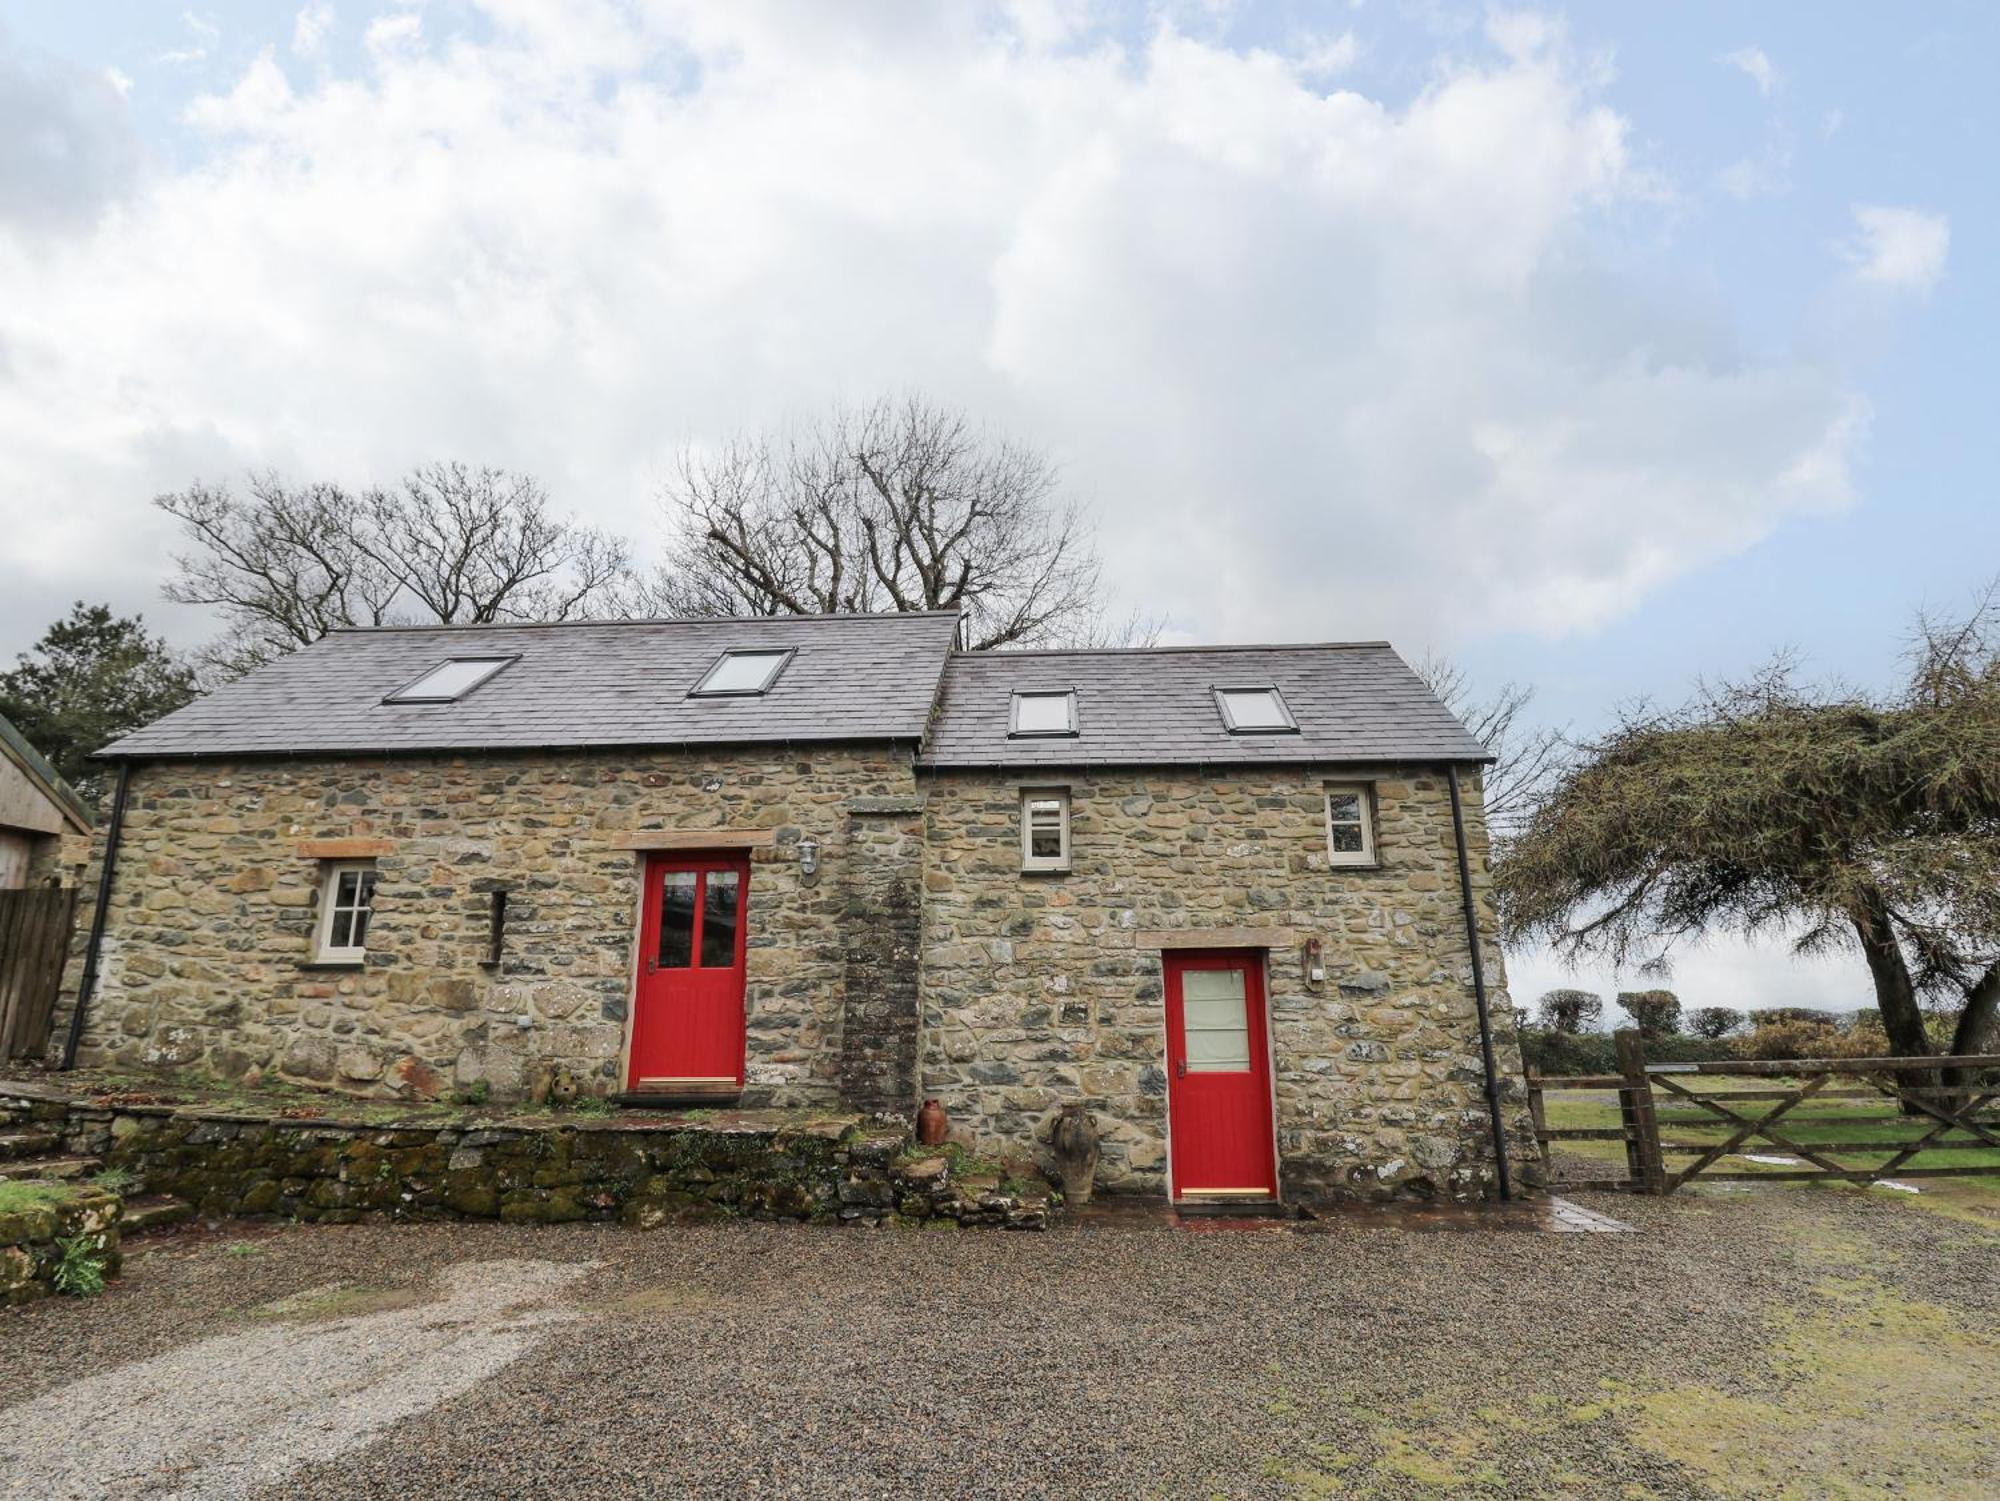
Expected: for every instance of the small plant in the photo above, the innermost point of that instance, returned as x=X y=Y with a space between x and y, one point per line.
x=478 y=1092
x=593 y=1105
x=242 y=1248
x=116 y=1180
x=80 y=1272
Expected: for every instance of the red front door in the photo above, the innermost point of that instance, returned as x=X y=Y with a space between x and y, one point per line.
x=687 y=1017
x=1219 y=1076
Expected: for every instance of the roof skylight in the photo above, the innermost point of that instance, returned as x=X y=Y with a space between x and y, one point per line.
x=449 y=681
x=742 y=672
x=1255 y=711
x=1043 y=712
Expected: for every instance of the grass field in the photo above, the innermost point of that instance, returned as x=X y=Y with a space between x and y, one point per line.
x=1825 y=1125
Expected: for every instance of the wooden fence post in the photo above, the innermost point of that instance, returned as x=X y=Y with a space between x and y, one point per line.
x=1642 y=1126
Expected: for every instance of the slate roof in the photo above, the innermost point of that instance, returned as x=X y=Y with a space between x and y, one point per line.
x=855 y=677
x=1354 y=702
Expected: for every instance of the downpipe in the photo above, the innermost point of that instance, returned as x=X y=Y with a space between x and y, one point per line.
x=88 y=984
x=1479 y=985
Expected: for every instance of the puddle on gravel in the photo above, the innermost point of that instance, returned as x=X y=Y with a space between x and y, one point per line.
x=230 y=1415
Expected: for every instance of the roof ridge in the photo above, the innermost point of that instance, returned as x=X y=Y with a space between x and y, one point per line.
x=1002 y=654
x=545 y=625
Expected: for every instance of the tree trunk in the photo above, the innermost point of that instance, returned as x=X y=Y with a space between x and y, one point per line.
x=1978 y=1031
x=1895 y=993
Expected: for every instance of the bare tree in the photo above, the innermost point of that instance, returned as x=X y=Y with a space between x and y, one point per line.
x=901 y=505
x=1528 y=758
x=287 y=563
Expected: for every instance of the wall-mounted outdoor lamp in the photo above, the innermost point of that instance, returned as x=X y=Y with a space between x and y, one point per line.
x=808 y=858
x=1313 y=963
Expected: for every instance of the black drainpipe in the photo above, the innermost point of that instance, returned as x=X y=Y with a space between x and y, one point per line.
x=88 y=983
x=1479 y=985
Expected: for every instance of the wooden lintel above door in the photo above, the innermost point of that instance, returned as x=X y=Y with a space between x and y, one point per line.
x=694 y=839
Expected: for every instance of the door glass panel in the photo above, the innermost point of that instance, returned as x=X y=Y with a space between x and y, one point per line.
x=677 y=919
x=1214 y=1021
x=718 y=920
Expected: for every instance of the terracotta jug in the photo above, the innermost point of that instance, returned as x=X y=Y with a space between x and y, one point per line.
x=932 y=1124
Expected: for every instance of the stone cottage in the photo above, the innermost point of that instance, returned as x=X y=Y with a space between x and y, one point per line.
x=1215 y=895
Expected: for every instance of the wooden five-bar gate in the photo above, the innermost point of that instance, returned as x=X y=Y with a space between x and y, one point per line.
x=35 y=927
x=1682 y=1121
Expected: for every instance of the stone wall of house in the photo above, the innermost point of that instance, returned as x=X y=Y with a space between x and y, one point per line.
x=883 y=931
x=206 y=959
x=1041 y=989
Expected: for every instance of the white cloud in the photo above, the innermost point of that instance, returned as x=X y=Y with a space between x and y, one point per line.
x=1324 y=365
x=1898 y=247
x=203 y=34
x=1328 y=56
x=310 y=28
x=1754 y=65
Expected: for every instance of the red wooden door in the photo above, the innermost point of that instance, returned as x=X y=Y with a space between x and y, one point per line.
x=687 y=1017
x=1219 y=1076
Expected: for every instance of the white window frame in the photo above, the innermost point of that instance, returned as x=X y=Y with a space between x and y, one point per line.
x=407 y=694
x=1067 y=732
x=1222 y=692
x=1366 y=854
x=783 y=654
x=1030 y=861
x=329 y=885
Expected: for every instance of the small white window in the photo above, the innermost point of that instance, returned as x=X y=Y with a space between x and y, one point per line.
x=449 y=681
x=1045 y=828
x=1255 y=711
x=346 y=905
x=744 y=672
x=1350 y=824
x=1051 y=712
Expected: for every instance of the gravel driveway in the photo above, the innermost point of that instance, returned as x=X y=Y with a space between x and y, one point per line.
x=1728 y=1349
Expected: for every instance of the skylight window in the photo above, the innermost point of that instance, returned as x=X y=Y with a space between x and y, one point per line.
x=742 y=672
x=1255 y=711
x=449 y=681
x=1043 y=712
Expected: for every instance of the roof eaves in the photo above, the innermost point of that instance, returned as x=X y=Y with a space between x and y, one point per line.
x=14 y=745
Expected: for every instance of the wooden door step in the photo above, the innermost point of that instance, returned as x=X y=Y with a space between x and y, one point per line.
x=154 y=1212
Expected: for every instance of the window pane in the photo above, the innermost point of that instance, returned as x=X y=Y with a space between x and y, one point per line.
x=1217 y=1052
x=718 y=921
x=449 y=680
x=360 y=938
x=1255 y=709
x=1043 y=713
x=677 y=920
x=1347 y=839
x=347 y=888
x=1344 y=807
x=339 y=935
x=1214 y=985
x=1045 y=829
x=742 y=672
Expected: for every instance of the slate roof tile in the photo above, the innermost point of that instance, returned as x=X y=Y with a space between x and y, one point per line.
x=1354 y=701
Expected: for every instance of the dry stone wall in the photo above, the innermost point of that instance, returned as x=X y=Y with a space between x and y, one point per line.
x=206 y=960
x=1042 y=989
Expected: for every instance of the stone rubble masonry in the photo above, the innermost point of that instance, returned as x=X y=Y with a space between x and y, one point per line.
x=31 y=1239
x=206 y=960
x=770 y=1165
x=883 y=932
x=919 y=960
x=1037 y=989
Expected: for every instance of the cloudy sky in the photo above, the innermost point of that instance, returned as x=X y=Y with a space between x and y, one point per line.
x=1601 y=347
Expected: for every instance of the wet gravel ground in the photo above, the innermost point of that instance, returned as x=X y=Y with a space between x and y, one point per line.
x=1125 y=1359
